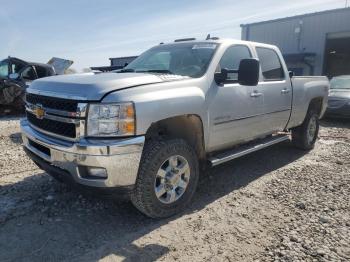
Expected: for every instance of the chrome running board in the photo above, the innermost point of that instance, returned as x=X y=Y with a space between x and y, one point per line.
x=246 y=149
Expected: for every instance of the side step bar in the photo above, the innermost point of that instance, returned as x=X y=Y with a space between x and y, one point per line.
x=246 y=149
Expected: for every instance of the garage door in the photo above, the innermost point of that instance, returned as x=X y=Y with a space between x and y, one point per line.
x=337 y=54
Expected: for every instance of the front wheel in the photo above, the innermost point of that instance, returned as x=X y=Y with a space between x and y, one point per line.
x=167 y=178
x=304 y=136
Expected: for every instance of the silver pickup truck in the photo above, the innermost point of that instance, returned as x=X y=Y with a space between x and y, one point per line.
x=149 y=129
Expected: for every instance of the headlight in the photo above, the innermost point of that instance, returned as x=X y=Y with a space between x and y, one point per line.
x=111 y=120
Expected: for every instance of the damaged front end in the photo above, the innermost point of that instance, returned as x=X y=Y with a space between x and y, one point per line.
x=11 y=90
x=16 y=75
x=12 y=95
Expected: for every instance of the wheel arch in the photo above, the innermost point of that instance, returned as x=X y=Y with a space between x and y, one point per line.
x=316 y=104
x=188 y=127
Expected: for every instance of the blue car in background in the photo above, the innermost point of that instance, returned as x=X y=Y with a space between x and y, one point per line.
x=339 y=97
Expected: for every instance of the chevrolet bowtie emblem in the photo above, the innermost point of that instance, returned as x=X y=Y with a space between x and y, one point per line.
x=39 y=112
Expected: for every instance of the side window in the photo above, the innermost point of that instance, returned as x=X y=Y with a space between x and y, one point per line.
x=270 y=64
x=17 y=67
x=231 y=59
x=28 y=73
x=41 y=71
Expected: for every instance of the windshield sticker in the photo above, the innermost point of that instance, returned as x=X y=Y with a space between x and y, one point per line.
x=206 y=46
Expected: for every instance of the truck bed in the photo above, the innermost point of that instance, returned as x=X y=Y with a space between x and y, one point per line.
x=304 y=89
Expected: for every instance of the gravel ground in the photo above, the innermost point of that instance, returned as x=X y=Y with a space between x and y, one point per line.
x=279 y=204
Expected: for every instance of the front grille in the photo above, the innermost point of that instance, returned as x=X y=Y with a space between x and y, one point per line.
x=53 y=102
x=52 y=126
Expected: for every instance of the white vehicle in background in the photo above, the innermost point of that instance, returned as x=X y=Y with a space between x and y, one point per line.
x=339 y=97
x=148 y=128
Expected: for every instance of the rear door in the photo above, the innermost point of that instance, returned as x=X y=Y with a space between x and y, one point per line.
x=277 y=90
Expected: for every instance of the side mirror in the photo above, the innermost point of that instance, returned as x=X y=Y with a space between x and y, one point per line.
x=221 y=77
x=14 y=76
x=248 y=72
x=291 y=74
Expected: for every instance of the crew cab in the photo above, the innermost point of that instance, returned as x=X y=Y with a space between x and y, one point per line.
x=149 y=129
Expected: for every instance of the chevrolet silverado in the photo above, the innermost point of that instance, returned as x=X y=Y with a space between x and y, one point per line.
x=148 y=129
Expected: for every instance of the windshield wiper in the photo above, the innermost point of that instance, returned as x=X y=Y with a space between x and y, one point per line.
x=164 y=71
x=127 y=70
x=131 y=70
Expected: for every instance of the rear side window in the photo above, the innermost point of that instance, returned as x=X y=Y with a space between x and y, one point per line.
x=28 y=73
x=232 y=58
x=270 y=63
x=41 y=71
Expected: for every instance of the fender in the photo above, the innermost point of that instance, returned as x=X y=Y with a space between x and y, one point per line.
x=157 y=102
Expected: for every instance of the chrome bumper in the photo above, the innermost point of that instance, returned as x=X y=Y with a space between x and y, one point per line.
x=120 y=157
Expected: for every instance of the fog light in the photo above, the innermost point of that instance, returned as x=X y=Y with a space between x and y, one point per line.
x=98 y=172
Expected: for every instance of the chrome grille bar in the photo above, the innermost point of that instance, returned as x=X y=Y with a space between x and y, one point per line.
x=75 y=118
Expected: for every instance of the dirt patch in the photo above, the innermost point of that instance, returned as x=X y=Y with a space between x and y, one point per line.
x=279 y=204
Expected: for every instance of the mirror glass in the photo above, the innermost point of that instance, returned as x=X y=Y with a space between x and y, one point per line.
x=221 y=77
x=248 y=73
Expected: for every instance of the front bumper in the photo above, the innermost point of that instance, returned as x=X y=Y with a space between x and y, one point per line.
x=119 y=157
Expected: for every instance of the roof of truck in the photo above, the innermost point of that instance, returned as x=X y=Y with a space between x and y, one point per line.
x=219 y=41
x=40 y=64
x=29 y=63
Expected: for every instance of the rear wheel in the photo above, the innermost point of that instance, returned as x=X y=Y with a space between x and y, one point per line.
x=304 y=136
x=167 y=178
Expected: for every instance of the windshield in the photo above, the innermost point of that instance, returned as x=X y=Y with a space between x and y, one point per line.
x=340 y=83
x=4 y=69
x=185 y=59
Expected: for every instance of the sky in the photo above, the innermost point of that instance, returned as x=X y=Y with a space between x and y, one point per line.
x=90 y=32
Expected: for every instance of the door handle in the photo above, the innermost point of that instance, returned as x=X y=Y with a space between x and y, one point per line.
x=255 y=93
x=285 y=91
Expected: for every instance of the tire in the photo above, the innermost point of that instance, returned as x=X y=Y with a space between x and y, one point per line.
x=154 y=160
x=304 y=136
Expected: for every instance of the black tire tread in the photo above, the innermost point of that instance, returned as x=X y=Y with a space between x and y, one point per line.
x=142 y=194
x=299 y=138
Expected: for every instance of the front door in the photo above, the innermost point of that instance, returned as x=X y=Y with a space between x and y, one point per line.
x=235 y=110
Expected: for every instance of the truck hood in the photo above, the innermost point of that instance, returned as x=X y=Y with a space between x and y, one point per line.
x=92 y=86
x=339 y=93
